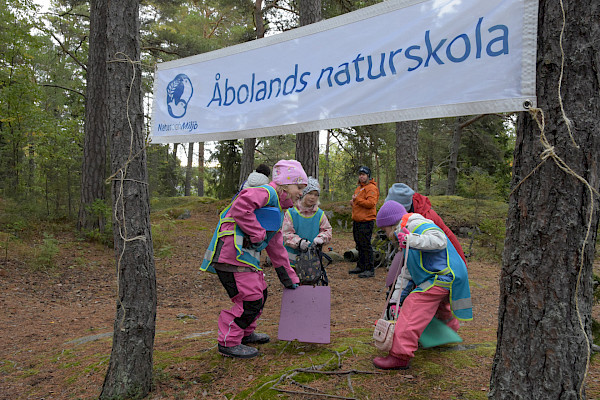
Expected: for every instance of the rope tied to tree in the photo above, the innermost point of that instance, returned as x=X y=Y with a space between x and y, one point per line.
x=550 y=153
x=122 y=173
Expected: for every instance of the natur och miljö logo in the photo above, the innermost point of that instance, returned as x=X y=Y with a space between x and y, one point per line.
x=179 y=93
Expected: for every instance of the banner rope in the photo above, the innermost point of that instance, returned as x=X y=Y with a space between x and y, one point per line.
x=122 y=173
x=550 y=153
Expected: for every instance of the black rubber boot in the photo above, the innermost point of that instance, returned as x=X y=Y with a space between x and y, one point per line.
x=368 y=273
x=239 y=351
x=356 y=270
x=258 y=338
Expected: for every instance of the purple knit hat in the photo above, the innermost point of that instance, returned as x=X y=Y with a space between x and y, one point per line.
x=289 y=172
x=390 y=213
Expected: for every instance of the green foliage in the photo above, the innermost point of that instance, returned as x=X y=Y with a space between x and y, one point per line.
x=46 y=252
x=160 y=237
x=224 y=178
x=492 y=233
x=478 y=184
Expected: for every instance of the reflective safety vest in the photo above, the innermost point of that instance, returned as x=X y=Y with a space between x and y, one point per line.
x=444 y=268
x=307 y=227
x=246 y=256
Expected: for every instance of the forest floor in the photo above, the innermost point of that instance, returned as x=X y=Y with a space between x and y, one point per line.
x=56 y=326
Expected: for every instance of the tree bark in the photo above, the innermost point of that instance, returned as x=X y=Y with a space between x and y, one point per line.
x=546 y=275
x=307 y=143
x=129 y=372
x=201 y=169
x=93 y=166
x=247 y=160
x=188 y=170
x=327 y=166
x=407 y=153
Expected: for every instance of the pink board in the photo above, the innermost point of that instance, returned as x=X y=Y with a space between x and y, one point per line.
x=306 y=314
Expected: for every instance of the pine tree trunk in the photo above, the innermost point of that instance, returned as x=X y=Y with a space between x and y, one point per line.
x=247 y=160
x=327 y=166
x=201 y=169
x=188 y=170
x=129 y=372
x=307 y=143
x=453 y=163
x=93 y=167
x=407 y=152
x=542 y=350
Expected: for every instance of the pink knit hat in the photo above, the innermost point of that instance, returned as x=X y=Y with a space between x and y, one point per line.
x=289 y=172
x=390 y=213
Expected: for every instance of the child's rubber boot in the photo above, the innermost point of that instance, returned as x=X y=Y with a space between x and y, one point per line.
x=258 y=338
x=239 y=351
x=390 y=362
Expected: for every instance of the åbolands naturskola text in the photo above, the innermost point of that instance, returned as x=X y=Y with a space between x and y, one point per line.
x=462 y=48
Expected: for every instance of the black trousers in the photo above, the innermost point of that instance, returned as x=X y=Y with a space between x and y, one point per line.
x=362 y=232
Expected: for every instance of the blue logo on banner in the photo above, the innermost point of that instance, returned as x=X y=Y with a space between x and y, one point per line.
x=179 y=93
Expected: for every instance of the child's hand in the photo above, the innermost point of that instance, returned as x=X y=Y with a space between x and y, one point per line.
x=402 y=237
x=317 y=241
x=303 y=245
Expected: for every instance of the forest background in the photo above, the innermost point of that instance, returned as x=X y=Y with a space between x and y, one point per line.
x=43 y=70
x=45 y=67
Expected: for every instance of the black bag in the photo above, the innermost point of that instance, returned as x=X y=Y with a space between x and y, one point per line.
x=309 y=267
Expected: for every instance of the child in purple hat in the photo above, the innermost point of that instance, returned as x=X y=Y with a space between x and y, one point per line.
x=433 y=283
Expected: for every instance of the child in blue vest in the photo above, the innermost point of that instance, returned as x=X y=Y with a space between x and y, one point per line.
x=234 y=255
x=306 y=224
x=436 y=281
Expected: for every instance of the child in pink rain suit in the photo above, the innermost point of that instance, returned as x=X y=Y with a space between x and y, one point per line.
x=234 y=255
x=434 y=281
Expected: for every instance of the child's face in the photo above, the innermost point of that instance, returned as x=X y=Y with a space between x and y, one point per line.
x=295 y=191
x=311 y=198
x=389 y=232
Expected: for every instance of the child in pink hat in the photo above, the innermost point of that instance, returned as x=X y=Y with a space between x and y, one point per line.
x=234 y=255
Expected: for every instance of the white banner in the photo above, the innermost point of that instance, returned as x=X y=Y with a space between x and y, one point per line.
x=399 y=60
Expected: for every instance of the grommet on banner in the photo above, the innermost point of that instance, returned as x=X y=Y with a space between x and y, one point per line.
x=527 y=104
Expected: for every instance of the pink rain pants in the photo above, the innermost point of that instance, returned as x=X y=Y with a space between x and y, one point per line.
x=248 y=292
x=415 y=314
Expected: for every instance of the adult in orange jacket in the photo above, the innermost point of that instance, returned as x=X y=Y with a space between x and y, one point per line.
x=364 y=212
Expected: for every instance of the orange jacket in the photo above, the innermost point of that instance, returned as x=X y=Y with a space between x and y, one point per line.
x=364 y=205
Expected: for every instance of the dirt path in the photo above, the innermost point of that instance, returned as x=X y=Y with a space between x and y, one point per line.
x=55 y=333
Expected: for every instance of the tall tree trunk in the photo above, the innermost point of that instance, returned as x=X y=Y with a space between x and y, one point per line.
x=407 y=153
x=428 y=171
x=188 y=170
x=259 y=22
x=327 y=166
x=307 y=143
x=453 y=163
x=129 y=372
x=201 y=169
x=247 y=160
x=546 y=275
x=455 y=147
x=93 y=167
x=250 y=143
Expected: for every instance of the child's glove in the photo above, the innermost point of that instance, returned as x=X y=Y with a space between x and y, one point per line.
x=317 y=241
x=402 y=237
x=292 y=286
x=247 y=244
x=303 y=245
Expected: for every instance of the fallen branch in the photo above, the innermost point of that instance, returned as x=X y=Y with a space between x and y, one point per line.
x=314 y=394
x=351 y=371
